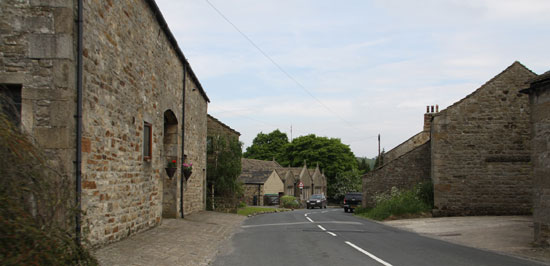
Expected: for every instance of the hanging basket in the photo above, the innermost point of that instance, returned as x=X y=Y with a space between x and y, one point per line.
x=170 y=171
x=187 y=173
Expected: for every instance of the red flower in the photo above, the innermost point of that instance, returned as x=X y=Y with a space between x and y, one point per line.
x=174 y=161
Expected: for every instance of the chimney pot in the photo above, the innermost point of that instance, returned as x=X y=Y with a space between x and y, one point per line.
x=437 y=108
x=427 y=108
x=432 y=108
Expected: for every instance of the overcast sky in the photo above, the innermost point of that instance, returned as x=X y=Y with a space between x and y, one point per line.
x=357 y=68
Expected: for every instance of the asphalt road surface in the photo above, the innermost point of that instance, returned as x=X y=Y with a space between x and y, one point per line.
x=332 y=237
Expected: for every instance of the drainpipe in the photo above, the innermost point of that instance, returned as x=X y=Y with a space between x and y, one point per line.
x=78 y=162
x=182 y=137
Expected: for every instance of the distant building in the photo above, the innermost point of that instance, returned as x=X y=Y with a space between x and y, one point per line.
x=476 y=152
x=260 y=178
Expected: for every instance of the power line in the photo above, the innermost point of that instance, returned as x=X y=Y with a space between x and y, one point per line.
x=277 y=65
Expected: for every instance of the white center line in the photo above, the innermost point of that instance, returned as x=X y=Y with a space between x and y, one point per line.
x=309 y=219
x=331 y=233
x=368 y=254
x=322 y=228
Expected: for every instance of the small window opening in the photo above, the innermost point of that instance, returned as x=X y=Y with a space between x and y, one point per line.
x=10 y=101
x=147 y=141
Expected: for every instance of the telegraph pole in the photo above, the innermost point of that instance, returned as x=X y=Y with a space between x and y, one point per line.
x=378 y=150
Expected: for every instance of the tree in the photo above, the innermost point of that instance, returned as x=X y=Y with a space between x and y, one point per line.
x=349 y=181
x=225 y=167
x=330 y=153
x=364 y=165
x=267 y=146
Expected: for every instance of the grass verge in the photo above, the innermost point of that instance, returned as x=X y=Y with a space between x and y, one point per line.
x=412 y=203
x=253 y=210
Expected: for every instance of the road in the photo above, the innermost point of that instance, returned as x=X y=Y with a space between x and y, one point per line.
x=332 y=237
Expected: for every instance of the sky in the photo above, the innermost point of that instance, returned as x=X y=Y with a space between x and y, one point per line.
x=351 y=69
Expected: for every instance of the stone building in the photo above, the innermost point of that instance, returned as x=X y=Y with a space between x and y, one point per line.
x=539 y=95
x=104 y=84
x=313 y=180
x=476 y=152
x=259 y=178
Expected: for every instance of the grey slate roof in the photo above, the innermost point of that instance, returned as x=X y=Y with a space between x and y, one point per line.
x=259 y=165
x=254 y=177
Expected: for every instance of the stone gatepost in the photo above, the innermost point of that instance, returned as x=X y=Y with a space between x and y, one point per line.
x=539 y=97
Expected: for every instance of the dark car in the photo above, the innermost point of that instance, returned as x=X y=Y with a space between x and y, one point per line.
x=317 y=200
x=352 y=200
x=271 y=199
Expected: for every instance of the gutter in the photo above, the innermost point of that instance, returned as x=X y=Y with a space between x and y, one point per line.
x=78 y=117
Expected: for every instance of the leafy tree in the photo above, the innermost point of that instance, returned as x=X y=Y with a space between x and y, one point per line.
x=330 y=153
x=364 y=165
x=349 y=181
x=267 y=146
x=224 y=166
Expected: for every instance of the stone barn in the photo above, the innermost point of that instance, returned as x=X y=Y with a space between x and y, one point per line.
x=476 y=152
x=105 y=88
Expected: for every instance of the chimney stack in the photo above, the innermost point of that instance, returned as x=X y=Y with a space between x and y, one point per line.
x=430 y=111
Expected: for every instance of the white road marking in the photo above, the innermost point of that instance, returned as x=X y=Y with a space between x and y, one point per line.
x=331 y=233
x=368 y=254
x=306 y=214
x=296 y=223
x=309 y=219
x=322 y=228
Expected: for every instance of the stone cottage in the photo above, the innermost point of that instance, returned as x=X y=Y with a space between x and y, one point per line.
x=476 y=152
x=260 y=178
x=539 y=96
x=313 y=180
x=105 y=88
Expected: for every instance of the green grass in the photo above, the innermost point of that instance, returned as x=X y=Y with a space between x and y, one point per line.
x=409 y=203
x=251 y=210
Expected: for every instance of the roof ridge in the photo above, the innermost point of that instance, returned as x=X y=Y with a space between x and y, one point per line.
x=516 y=63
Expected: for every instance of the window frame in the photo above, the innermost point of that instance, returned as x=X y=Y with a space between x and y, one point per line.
x=147 y=153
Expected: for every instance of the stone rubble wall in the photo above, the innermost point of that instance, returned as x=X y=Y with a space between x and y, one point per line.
x=195 y=147
x=251 y=190
x=37 y=51
x=540 y=118
x=403 y=173
x=408 y=145
x=132 y=75
x=480 y=150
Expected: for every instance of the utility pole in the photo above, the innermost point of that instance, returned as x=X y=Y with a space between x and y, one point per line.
x=378 y=150
x=290 y=132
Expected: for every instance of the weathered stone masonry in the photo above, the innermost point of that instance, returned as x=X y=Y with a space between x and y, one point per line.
x=539 y=95
x=403 y=172
x=481 y=147
x=478 y=154
x=132 y=74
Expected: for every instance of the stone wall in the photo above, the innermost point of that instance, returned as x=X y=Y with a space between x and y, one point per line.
x=195 y=147
x=408 y=145
x=403 y=172
x=539 y=94
x=251 y=190
x=480 y=150
x=37 y=53
x=132 y=76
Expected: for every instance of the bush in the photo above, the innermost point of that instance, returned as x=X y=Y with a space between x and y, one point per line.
x=36 y=207
x=289 y=202
x=398 y=203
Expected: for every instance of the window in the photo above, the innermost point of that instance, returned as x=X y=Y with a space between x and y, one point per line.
x=147 y=141
x=10 y=101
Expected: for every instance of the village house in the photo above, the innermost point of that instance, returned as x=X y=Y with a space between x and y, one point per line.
x=476 y=152
x=260 y=178
x=106 y=91
x=313 y=181
x=539 y=96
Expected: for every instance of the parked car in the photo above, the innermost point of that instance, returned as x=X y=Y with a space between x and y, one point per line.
x=317 y=200
x=352 y=200
x=271 y=199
